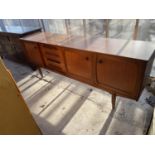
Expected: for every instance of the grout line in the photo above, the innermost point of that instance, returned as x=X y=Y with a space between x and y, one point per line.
x=54 y=99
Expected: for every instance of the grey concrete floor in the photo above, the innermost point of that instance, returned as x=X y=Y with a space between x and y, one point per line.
x=64 y=106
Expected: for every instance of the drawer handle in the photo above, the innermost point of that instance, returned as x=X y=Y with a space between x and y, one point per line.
x=50 y=47
x=55 y=61
x=87 y=58
x=51 y=53
x=100 y=61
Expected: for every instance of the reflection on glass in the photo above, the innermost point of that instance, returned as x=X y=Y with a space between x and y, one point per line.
x=12 y=25
x=18 y=25
x=80 y=27
x=121 y=28
x=95 y=27
x=146 y=30
x=117 y=28
x=11 y=22
x=30 y=22
x=75 y=26
x=55 y=25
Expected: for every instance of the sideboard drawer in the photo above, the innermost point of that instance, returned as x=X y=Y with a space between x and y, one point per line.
x=51 y=50
x=53 y=57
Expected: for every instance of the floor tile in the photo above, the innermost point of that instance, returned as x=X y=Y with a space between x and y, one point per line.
x=88 y=120
x=54 y=118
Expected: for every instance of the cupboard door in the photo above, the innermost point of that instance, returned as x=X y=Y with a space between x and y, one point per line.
x=79 y=64
x=118 y=74
x=33 y=53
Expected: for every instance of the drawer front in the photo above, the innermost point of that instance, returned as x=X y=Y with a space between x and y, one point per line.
x=33 y=53
x=53 y=57
x=51 y=50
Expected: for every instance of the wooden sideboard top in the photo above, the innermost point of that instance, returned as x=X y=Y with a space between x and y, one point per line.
x=126 y=48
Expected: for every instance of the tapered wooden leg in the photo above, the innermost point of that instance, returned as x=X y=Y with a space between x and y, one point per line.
x=40 y=71
x=113 y=99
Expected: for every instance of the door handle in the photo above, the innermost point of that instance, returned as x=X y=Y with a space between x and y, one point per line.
x=35 y=47
x=100 y=61
x=87 y=58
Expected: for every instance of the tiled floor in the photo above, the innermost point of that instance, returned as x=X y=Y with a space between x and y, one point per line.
x=61 y=105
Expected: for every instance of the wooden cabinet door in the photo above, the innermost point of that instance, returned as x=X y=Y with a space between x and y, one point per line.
x=79 y=63
x=33 y=53
x=117 y=73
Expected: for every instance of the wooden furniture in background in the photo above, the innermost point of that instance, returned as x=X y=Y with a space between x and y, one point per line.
x=117 y=66
x=10 y=45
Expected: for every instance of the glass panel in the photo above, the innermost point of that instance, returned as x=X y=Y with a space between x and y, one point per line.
x=118 y=28
x=2 y=27
x=121 y=28
x=18 y=25
x=55 y=25
x=146 y=30
x=12 y=22
x=89 y=27
x=75 y=26
x=95 y=27
x=30 y=22
x=12 y=25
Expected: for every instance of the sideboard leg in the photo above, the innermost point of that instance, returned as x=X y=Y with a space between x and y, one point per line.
x=113 y=100
x=40 y=71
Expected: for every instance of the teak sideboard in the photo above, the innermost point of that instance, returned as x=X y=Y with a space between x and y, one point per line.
x=117 y=66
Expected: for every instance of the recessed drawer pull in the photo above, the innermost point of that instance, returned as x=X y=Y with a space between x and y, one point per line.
x=35 y=47
x=51 y=53
x=100 y=61
x=53 y=57
x=53 y=64
x=87 y=58
x=55 y=61
x=50 y=47
x=54 y=67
